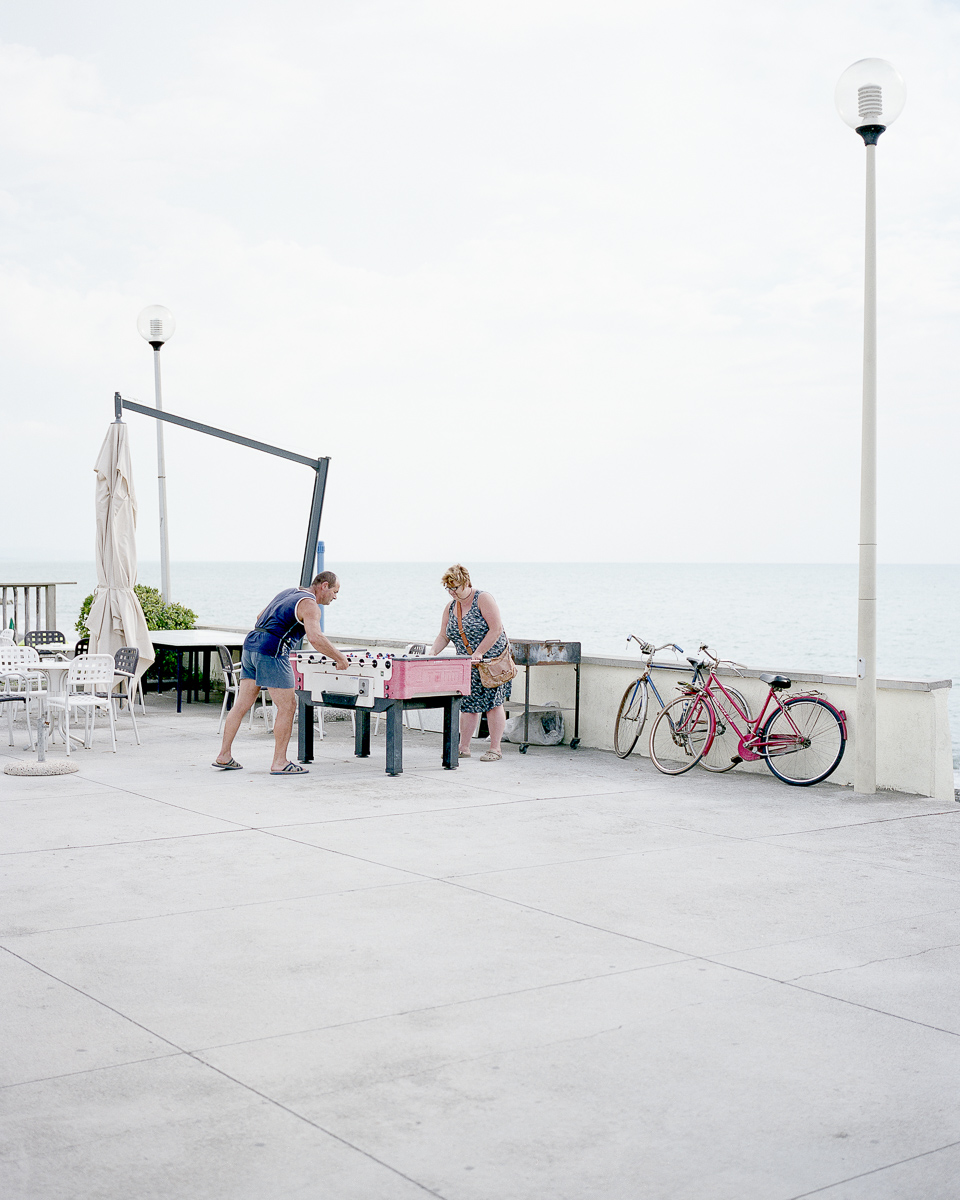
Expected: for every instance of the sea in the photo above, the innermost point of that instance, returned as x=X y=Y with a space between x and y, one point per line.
x=784 y=617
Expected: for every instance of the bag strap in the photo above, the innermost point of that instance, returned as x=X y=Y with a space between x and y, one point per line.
x=464 y=636
x=460 y=623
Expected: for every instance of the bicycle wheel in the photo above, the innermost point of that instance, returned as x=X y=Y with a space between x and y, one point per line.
x=630 y=717
x=811 y=752
x=681 y=733
x=725 y=746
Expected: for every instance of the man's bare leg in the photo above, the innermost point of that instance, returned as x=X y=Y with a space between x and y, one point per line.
x=285 y=700
x=246 y=699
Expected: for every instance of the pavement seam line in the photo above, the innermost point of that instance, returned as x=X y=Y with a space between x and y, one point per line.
x=875 y=1170
x=428 y=1008
x=210 y=1067
x=188 y=912
x=314 y=1125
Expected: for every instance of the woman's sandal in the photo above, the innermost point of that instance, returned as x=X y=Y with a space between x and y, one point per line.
x=491 y=756
x=291 y=769
x=232 y=765
x=464 y=754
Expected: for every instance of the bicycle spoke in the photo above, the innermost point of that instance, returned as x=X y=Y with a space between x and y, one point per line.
x=681 y=733
x=804 y=741
x=722 y=754
x=630 y=717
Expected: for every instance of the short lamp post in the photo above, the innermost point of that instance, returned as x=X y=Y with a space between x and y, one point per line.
x=156 y=325
x=870 y=96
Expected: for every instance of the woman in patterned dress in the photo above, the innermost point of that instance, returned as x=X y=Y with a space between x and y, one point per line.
x=485 y=639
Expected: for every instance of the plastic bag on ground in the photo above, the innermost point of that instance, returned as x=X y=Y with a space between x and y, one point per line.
x=546 y=728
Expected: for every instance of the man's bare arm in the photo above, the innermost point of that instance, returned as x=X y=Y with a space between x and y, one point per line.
x=309 y=615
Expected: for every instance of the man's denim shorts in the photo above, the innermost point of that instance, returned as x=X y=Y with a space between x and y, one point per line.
x=269 y=672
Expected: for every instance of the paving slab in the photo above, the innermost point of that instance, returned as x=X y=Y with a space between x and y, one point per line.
x=205 y=978
x=468 y=840
x=857 y=946
x=95 y=818
x=928 y=844
x=918 y=985
x=587 y=1089
x=89 y=885
x=254 y=801
x=931 y=1176
x=49 y=1028
x=754 y=806
x=170 y=1129
x=720 y=897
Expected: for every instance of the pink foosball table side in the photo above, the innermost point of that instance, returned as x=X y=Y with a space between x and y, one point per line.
x=442 y=676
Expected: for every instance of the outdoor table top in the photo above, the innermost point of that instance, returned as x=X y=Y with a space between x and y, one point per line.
x=194 y=639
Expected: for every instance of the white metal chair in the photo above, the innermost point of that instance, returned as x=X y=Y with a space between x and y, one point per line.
x=125 y=662
x=16 y=677
x=89 y=687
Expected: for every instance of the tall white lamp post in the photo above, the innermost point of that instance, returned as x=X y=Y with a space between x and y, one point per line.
x=870 y=96
x=156 y=325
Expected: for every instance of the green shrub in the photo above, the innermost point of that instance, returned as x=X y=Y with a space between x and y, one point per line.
x=158 y=614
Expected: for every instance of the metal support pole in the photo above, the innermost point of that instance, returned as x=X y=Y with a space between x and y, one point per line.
x=162 y=483
x=321 y=554
x=865 y=767
x=313 y=525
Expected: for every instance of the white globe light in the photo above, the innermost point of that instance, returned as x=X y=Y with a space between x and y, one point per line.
x=871 y=92
x=156 y=324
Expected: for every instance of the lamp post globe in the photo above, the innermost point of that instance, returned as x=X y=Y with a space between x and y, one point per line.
x=870 y=95
x=156 y=325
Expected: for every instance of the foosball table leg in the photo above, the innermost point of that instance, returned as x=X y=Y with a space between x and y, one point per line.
x=361 y=741
x=304 y=731
x=394 y=715
x=451 y=733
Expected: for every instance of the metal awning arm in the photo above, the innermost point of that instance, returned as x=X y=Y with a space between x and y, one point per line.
x=160 y=415
x=319 y=465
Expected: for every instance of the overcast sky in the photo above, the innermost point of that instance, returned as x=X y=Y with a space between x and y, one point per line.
x=547 y=279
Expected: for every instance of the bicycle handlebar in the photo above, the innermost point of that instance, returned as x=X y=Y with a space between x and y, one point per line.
x=649 y=648
x=720 y=662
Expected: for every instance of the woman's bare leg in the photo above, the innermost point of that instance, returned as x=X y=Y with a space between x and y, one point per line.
x=468 y=727
x=496 y=719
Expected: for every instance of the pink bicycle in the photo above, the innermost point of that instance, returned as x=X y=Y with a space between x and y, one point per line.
x=801 y=737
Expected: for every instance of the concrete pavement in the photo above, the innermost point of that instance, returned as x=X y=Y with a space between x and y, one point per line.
x=557 y=977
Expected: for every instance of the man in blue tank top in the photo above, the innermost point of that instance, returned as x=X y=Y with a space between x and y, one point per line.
x=265 y=663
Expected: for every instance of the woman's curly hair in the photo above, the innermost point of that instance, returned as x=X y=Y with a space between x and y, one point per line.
x=456 y=576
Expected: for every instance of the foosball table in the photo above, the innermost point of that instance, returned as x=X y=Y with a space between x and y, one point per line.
x=381 y=682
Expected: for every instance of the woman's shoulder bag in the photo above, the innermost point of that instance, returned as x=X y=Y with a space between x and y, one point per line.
x=493 y=671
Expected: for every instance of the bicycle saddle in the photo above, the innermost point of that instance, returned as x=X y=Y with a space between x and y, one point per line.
x=696 y=662
x=777 y=682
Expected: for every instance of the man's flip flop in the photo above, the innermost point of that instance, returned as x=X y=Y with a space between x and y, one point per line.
x=232 y=765
x=291 y=769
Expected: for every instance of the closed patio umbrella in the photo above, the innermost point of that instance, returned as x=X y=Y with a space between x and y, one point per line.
x=116 y=618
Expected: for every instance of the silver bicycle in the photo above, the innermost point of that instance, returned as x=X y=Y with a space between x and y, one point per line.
x=635 y=704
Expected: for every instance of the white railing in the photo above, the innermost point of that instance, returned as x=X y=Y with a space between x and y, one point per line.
x=22 y=603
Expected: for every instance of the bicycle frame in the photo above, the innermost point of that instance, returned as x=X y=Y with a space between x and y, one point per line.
x=649 y=651
x=753 y=746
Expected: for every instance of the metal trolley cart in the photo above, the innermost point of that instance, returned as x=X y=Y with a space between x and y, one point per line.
x=529 y=653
